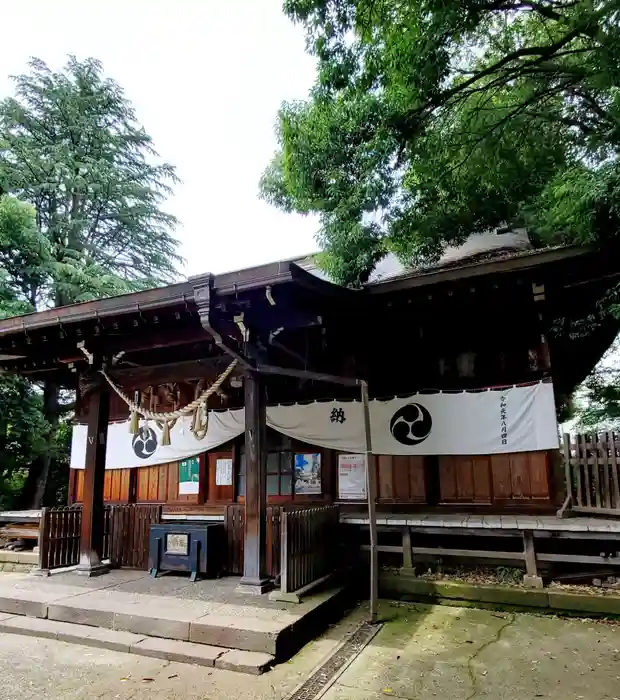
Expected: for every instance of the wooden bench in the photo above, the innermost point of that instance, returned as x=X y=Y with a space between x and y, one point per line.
x=20 y=531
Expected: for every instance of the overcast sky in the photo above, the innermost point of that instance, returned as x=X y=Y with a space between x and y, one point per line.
x=206 y=78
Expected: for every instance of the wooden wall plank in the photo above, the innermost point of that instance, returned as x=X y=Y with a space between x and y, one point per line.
x=519 y=475
x=417 y=479
x=481 y=471
x=173 y=481
x=539 y=475
x=447 y=478
x=162 y=482
x=465 y=486
x=502 y=482
x=107 y=486
x=79 y=488
x=385 y=476
x=400 y=476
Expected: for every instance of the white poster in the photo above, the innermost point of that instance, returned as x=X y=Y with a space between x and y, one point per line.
x=223 y=472
x=352 y=477
x=308 y=473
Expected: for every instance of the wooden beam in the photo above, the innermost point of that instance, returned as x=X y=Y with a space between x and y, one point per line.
x=130 y=377
x=91 y=541
x=203 y=298
x=255 y=541
x=305 y=374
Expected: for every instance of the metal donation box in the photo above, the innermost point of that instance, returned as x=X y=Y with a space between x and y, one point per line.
x=195 y=547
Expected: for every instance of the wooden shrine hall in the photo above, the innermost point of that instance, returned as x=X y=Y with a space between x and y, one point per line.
x=243 y=390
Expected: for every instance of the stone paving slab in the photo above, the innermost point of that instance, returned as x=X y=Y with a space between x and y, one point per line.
x=248 y=634
x=113 y=640
x=244 y=661
x=77 y=614
x=67 y=632
x=182 y=652
x=152 y=626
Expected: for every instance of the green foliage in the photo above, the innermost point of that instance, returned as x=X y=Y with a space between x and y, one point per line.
x=597 y=403
x=81 y=218
x=70 y=146
x=432 y=120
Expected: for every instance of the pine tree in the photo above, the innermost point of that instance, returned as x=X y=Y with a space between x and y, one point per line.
x=71 y=147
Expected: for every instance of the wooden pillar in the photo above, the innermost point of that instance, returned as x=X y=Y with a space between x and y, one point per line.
x=531 y=578
x=91 y=541
x=255 y=579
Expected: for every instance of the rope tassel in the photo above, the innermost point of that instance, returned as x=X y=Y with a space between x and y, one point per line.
x=165 y=434
x=134 y=425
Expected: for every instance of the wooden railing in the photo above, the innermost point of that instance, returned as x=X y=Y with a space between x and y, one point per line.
x=592 y=472
x=59 y=537
x=235 y=524
x=125 y=535
x=308 y=546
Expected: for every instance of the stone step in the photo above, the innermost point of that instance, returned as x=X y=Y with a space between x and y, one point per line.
x=278 y=633
x=116 y=640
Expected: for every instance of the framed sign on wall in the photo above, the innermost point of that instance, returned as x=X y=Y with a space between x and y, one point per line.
x=352 y=476
x=189 y=476
x=308 y=473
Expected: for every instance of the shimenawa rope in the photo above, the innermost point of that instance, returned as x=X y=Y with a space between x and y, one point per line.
x=168 y=416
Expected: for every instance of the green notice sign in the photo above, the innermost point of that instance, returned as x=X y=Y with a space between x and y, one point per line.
x=189 y=476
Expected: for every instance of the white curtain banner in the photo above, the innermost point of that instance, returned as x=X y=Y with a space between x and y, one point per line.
x=145 y=449
x=494 y=421
x=338 y=425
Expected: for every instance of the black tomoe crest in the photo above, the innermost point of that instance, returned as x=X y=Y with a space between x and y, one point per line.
x=144 y=443
x=411 y=424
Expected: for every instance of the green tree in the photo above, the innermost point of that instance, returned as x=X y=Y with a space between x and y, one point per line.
x=432 y=120
x=24 y=432
x=71 y=147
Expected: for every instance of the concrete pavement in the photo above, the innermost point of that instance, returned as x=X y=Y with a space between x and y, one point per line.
x=421 y=652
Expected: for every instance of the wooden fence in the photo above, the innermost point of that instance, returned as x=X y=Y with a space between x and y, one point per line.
x=125 y=535
x=592 y=464
x=235 y=524
x=59 y=537
x=308 y=546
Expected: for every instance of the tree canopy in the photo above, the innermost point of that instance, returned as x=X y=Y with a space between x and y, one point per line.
x=432 y=120
x=81 y=217
x=70 y=145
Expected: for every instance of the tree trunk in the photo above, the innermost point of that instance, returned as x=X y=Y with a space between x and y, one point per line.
x=36 y=481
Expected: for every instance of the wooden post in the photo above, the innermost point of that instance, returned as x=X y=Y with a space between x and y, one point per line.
x=531 y=578
x=568 y=472
x=255 y=578
x=91 y=540
x=284 y=545
x=371 y=488
x=407 y=554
